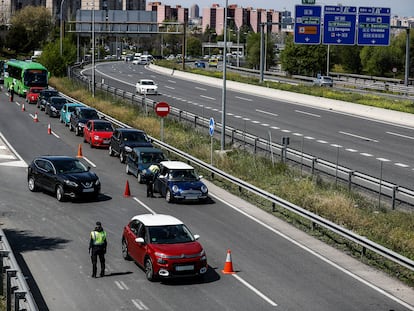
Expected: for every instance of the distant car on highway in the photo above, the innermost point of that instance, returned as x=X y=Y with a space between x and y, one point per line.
x=146 y=86
x=63 y=176
x=178 y=181
x=213 y=62
x=98 y=133
x=323 y=81
x=163 y=247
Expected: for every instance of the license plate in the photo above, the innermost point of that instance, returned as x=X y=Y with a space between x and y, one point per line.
x=184 y=268
x=88 y=190
x=191 y=197
x=106 y=141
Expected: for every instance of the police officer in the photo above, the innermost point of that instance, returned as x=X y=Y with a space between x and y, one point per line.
x=154 y=170
x=97 y=248
x=11 y=91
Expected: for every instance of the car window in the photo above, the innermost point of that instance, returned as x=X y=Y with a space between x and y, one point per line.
x=67 y=166
x=103 y=127
x=133 y=136
x=183 y=175
x=89 y=114
x=169 y=234
x=134 y=226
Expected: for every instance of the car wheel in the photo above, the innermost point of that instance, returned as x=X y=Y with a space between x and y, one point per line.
x=59 y=193
x=125 y=253
x=149 y=270
x=32 y=184
x=60 y=119
x=122 y=157
x=168 y=196
x=111 y=151
x=127 y=170
x=77 y=133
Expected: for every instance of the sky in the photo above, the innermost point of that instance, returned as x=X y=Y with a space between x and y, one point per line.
x=398 y=7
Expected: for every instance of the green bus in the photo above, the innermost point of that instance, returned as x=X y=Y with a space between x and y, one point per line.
x=24 y=74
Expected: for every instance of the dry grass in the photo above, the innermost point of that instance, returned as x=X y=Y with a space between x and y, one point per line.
x=393 y=229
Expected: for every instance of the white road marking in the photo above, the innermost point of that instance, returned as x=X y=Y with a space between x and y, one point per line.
x=286 y=131
x=171 y=81
x=256 y=122
x=139 y=304
x=366 y=154
x=230 y=114
x=144 y=205
x=121 y=285
x=264 y=124
x=297 y=134
x=275 y=127
x=308 y=113
x=246 y=119
x=207 y=97
x=357 y=136
x=400 y=135
x=243 y=98
x=200 y=88
x=401 y=165
x=351 y=150
x=322 y=141
x=336 y=146
x=309 y=137
x=383 y=160
x=89 y=161
x=267 y=112
x=169 y=87
x=255 y=290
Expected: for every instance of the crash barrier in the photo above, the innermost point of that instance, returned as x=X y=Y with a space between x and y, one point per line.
x=316 y=164
x=394 y=194
x=13 y=284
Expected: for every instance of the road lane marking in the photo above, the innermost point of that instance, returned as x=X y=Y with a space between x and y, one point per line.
x=322 y=141
x=121 y=285
x=351 y=150
x=89 y=161
x=200 y=88
x=401 y=165
x=308 y=113
x=366 y=154
x=145 y=206
x=255 y=290
x=400 y=135
x=267 y=112
x=171 y=81
x=207 y=97
x=357 y=136
x=383 y=160
x=169 y=87
x=244 y=98
x=139 y=304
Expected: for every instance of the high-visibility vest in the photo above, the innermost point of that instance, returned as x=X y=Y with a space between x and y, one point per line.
x=98 y=237
x=154 y=169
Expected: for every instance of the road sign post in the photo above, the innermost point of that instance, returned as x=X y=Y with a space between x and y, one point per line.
x=307 y=24
x=374 y=26
x=162 y=109
x=211 y=132
x=339 y=25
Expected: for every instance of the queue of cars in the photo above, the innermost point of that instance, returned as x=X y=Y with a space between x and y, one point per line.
x=162 y=245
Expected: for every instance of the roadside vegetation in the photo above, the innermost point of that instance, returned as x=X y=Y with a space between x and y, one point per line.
x=393 y=229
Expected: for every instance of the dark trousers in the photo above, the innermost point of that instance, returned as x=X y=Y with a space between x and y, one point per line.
x=11 y=95
x=98 y=252
x=150 y=189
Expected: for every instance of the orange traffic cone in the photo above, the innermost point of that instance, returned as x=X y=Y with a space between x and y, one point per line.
x=228 y=265
x=36 y=119
x=127 y=192
x=79 y=152
x=23 y=109
x=49 y=129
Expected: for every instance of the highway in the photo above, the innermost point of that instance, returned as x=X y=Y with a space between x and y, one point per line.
x=356 y=142
x=278 y=268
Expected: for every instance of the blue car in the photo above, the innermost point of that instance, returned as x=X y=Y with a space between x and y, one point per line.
x=178 y=181
x=66 y=111
x=140 y=159
x=200 y=64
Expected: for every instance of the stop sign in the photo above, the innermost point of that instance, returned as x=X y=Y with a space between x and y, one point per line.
x=162 y=109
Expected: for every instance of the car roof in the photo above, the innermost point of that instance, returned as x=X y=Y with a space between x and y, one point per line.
x=100 y=121
x=147 y=149
x=176 y=165
x=146 y=80
x=157 y=220
x=127 y=129
x=74 y=105
x=55 y=157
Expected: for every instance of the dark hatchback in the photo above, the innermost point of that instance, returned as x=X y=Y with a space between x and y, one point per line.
x=54 y=105
x=140 y=159
x=66 y=177
x=44 y=96
x=124 y=139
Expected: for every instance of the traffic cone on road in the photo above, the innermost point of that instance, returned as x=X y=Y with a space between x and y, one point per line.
x=35 y=119
x=228 y=265
x=79 y=152
x=23 y=109
x=127 y=192
x=49 y=129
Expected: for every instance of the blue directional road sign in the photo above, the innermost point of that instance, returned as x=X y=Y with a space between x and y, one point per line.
x=307 y=24
x=211 y=127
x=374 y=26
x=339 y=25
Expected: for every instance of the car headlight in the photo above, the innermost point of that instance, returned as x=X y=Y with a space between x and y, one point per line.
x=80 y=124
x=53 y=109
x=70 y=183
x=97 y=182
x=204 y=188
x=96 y=137
x=161 y=258
x=174 y=188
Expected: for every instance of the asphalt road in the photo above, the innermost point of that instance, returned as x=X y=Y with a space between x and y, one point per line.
x=278 y=268
x=357 y=142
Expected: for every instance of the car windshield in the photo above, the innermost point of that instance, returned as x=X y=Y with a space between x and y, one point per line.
x=35 y=90
x=134 y=136
x=187 y=175
x=69 y=166
x=71 y=108
x=145 y=82
x=89 y=114
x=103 y=127
x=59 y=101
x=152 y=157
x=172 y=234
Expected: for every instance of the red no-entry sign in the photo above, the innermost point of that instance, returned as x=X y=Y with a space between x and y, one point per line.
x=162 y=109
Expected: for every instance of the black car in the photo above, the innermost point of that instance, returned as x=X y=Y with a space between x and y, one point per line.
x=64 y=176
x=140 y=159
x=54 y=104
x=124 y=139
x=79 y=117
x=44 y=96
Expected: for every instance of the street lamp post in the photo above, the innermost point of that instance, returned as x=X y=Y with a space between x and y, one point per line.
x=223 y=96
x=61 y=27
x=93 y=48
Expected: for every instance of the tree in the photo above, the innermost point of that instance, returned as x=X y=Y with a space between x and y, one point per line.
x=30 y=29
x=194 y=46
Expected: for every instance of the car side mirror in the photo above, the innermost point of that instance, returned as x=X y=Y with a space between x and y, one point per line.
x=128 y=149
x=161 y=176
x=139 y=240
x=196 y=236
x=200 y=176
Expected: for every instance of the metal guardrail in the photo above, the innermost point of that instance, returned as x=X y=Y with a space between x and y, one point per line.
x=316 y=164
x=13 y=284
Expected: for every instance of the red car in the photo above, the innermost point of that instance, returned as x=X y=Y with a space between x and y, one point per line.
x=98 y=133
x=33 y=94
x=163 y=246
